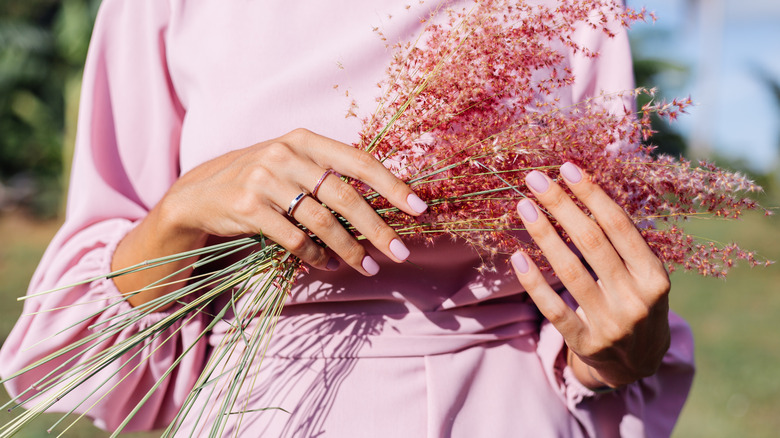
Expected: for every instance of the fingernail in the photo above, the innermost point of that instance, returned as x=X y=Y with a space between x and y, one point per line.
x=519 y=262
x=333 y=264
x=571 y=173
x=537 y=181
x=370 y=265
x=527 y=210
x=399 y=250
x=417 y=204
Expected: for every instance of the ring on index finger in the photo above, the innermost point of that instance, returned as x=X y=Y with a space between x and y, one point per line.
x=322 y=180
x=294 y=203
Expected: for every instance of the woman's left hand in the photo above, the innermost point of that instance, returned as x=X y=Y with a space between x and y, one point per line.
x=620 y=331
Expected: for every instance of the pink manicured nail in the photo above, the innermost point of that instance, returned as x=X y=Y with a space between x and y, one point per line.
x=417 y=204
x=527 y=210
x=399 y=249
x=537 y=181
x=370 y=265
x=333 y=264
x=519 y=262
x=571 y=173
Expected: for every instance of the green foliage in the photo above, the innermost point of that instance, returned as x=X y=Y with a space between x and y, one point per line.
x=649 y=72
x=772 y=83
x=43 y=44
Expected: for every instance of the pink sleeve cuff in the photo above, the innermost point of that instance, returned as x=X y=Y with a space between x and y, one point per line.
x=646 y=408
x=56 y=320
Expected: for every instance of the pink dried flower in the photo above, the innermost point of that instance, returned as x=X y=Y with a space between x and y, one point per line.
x=472 y=109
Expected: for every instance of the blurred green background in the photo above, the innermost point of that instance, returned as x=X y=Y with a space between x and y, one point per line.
x=736 y=322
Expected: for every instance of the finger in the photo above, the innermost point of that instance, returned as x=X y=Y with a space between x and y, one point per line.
x=565 y=263
x=546 y=299
x=297 y=174
x=293 y=239
x=352 y=162
x=322 y=223
x=620 y=229
x=344 y=199
x=584 y=232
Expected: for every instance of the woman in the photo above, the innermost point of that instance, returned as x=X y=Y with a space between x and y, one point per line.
x=177 y=94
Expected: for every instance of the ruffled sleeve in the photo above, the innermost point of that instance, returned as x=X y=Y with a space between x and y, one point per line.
x=126 y=158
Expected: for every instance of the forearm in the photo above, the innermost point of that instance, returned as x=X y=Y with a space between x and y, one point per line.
x=158 y=235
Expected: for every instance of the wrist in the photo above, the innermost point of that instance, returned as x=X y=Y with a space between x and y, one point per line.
x=173 y=224
x=161 y=233
x=588 y=375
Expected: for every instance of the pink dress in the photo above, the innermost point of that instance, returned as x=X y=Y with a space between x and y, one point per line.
x=433 y=350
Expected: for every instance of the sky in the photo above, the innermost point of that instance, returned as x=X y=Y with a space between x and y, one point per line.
x=724 y=43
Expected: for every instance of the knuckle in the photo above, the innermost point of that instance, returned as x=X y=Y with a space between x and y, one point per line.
x=556 y=313
x=656 y=284
x=590 y=237
x=365 y=163
x=381 y=230
x=318 y=257
x=346 y=196
x=586 y=191
x=298 y=134
x=637 y=310
x=398 y=186
x=259 y=175
x=612 y=333
x=543 y=233
x=295 y=241
x=353 y=253
x=321 y=218
x=556 y=199
x=571 y=269
x=246 y=204
x=620 y=223
x=277 y=152
x=662 y=285
x=324 y=260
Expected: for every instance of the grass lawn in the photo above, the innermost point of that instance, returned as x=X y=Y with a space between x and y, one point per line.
x=736 y=324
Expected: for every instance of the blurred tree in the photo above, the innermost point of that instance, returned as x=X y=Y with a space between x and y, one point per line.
x=773 y=84
x=648 y=73
x=43 y=44
x=771 y=182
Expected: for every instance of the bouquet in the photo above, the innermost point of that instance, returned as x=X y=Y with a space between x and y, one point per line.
x=479 y=107
x=467 y=111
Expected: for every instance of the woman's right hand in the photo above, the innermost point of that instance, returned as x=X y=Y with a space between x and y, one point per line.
x=248 y=191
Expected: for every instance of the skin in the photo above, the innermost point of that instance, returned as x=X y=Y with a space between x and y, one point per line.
x=617 y=335
x=247 y=191
x=620 y=331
